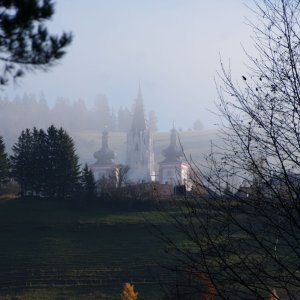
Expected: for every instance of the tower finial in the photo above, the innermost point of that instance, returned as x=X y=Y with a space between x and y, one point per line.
x=140 y=94
x=139 y=120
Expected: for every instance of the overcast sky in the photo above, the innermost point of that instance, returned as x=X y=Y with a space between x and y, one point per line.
x=171 y=47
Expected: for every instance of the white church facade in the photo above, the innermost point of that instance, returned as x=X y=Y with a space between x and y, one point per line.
x=140 y=154
x=172 y=170
x=105 y=166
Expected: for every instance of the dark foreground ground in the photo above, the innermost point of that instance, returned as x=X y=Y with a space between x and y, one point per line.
x=51 y=250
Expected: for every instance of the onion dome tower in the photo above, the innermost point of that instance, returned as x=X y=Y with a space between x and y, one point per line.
x=173 y=170
x=172 y=153
x=140 y=156
x=105 y=156
x=104 y=166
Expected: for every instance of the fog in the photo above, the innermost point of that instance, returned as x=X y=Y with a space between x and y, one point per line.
x=85 y=125
x=171 y=48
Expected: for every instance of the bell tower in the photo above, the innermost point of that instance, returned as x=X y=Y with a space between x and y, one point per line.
x=105 y=166
x=173 y=170
x=140 y=157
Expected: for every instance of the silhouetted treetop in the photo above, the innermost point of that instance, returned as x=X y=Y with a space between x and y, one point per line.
x=25 y=43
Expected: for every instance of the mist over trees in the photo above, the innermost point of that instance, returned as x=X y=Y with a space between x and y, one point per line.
x=31 y=111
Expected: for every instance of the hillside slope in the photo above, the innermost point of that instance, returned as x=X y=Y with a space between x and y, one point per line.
x=194 y=143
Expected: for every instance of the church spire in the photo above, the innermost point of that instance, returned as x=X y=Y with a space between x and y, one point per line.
x=140 y=94
x=140 y=156
x=139 y=120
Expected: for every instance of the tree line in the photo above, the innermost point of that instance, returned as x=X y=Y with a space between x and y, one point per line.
x=32 y=111
x=45 y=164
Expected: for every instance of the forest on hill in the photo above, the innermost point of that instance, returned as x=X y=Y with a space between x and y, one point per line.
x=85 y=125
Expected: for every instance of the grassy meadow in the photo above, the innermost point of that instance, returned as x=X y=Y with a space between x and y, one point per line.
x=52 y=250
x=55 y=251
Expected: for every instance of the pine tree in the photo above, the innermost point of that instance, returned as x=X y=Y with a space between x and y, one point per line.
x=39 y=160
x=45 y=163
x=4 y=164
x=26 y=44
x=128 y=292
x=21 y=161
x=88 y=183
x=63 y=167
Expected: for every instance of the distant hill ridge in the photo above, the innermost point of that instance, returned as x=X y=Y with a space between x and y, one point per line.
x=195 y=143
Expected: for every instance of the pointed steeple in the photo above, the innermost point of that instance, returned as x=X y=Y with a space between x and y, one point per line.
x=139 y=120
x=140 y=94
x=140 y=156
x=105 y=155
x=172 y=153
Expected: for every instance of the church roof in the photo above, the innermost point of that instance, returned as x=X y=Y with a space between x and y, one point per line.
x=105 y=155
x=172 y=153
x=139 y=120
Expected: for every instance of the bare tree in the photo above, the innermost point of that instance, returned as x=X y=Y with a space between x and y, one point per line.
x=244 y=232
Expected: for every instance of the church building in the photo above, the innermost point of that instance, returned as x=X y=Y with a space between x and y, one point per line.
x=140 y=156
x=104 y=166
x=172 y=170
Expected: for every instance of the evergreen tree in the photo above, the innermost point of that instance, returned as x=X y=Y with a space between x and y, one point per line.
x=21 y=161
x=39 y=160
x=63 y=167
x=45 y=163
x=4 y=164
x=198 y=125
x=25 y=43
x=88 y=183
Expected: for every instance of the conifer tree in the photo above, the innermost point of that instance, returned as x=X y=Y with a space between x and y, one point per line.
x=4 y=164
x=22 y=161
x=25 y=43
x=63 y=167
x=88 y=183
x=46 y=163
x=40 y=160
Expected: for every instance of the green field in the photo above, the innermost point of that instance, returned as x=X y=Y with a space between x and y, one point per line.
x=55 y=251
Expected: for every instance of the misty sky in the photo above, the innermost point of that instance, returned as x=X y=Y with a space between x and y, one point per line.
x=171 y=47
